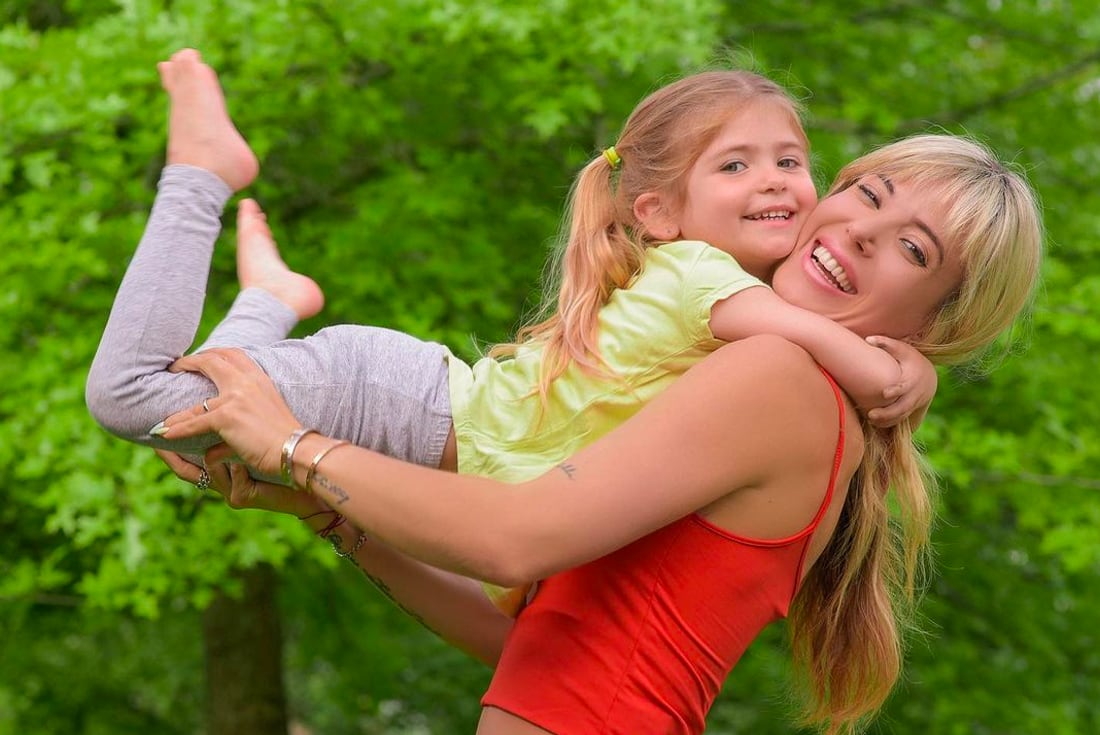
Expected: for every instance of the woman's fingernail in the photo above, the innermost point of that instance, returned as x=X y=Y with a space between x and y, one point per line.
x=158 y=430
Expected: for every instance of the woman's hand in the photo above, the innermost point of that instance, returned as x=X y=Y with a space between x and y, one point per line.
x=248 y=412
x=241 y=490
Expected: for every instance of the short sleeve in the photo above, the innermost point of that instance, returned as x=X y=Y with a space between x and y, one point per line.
x=707 y=275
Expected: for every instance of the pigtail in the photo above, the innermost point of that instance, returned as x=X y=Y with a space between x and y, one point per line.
x=598 y=255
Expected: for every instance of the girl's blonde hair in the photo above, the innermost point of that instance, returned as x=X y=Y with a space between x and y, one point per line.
x=602 y=244
x=848 y=617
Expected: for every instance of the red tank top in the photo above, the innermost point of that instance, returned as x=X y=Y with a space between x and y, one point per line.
x=639 y=642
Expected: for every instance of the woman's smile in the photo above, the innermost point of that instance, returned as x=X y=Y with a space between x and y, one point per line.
x=870 y=258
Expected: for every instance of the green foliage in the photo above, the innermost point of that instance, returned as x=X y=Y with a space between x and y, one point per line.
x=415 y=159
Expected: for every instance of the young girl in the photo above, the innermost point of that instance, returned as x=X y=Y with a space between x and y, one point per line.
x=671 y=234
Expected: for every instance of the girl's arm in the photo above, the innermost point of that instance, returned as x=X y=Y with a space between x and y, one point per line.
x=730 y=423
x=873 y=377
x=452 y=606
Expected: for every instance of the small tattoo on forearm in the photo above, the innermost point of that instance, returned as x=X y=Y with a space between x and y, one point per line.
x=337 y=492
x=568 y=469
x=338 y=545
x=385 y=590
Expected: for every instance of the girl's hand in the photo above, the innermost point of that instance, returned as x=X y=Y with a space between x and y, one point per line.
x=913 y=393
x=248 y=413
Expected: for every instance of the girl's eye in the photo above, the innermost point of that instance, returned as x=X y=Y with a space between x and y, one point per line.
x=917 y=253
x=734 y=166
x=870 y=194
x=789 y=163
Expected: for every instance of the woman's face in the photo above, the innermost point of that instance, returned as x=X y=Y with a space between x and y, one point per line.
x=874 y=258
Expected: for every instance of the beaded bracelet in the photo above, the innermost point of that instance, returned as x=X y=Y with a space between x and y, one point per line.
x=350 y=553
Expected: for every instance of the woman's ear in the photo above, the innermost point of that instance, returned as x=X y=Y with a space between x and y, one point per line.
x=656 y=217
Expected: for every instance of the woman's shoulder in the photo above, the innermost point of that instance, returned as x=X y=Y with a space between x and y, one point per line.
x=799 y=419
x=791 y=398
x=772 y=362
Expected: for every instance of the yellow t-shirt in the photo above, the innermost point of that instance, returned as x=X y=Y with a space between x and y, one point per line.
x=649 y=333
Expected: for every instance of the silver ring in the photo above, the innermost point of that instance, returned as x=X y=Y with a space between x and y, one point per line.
x=204 y=480
x=205 y=405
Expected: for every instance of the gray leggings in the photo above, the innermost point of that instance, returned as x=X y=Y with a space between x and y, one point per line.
x=375 y=387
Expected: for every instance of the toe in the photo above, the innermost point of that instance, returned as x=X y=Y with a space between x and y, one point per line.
x=186 y=54
x=251 y=220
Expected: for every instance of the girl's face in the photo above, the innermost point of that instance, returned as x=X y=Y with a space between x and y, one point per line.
x=874 y=258
x=750 y=190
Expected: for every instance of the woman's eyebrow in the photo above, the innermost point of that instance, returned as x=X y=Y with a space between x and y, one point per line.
x=921 y=224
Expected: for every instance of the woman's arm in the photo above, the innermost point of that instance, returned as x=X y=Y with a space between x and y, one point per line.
x=736 y=421
x=452 y=606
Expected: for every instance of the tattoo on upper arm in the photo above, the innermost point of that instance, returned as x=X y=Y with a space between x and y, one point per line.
x=568 y=469
x=338 y=493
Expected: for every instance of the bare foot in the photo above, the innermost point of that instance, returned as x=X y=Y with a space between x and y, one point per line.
x=200 y=132
x=259 y=264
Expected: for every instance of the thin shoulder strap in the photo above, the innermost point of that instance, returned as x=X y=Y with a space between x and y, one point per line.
x=838 y=457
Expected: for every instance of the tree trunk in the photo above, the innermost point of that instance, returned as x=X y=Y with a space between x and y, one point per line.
x=244 y=673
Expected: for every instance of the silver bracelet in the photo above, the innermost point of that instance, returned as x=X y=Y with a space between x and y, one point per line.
x=286 y=459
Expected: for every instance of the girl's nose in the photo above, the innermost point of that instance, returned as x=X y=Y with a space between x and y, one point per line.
x=772 y=180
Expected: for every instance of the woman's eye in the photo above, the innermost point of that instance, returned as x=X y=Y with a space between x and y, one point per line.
x=734 y=166
x=917 y=253
x=870 y=194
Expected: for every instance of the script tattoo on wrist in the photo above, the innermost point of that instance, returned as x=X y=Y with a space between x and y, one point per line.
x=568 y=469
x=338 y=493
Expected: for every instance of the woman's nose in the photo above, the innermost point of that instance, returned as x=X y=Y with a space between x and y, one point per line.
x=862 y=239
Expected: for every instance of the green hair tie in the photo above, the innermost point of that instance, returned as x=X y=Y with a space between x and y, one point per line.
x=612 y=156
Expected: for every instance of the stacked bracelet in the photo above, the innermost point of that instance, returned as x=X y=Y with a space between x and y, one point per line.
x=286 y=460
x=316 y=460
x=350 y=553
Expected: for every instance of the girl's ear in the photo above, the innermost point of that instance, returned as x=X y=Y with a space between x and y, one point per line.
x=656 y=217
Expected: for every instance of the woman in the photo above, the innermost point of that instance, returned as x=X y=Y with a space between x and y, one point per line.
x=733 y=498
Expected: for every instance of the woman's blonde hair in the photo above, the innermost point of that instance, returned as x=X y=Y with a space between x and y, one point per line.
x=848 y=619
x=601 y=246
